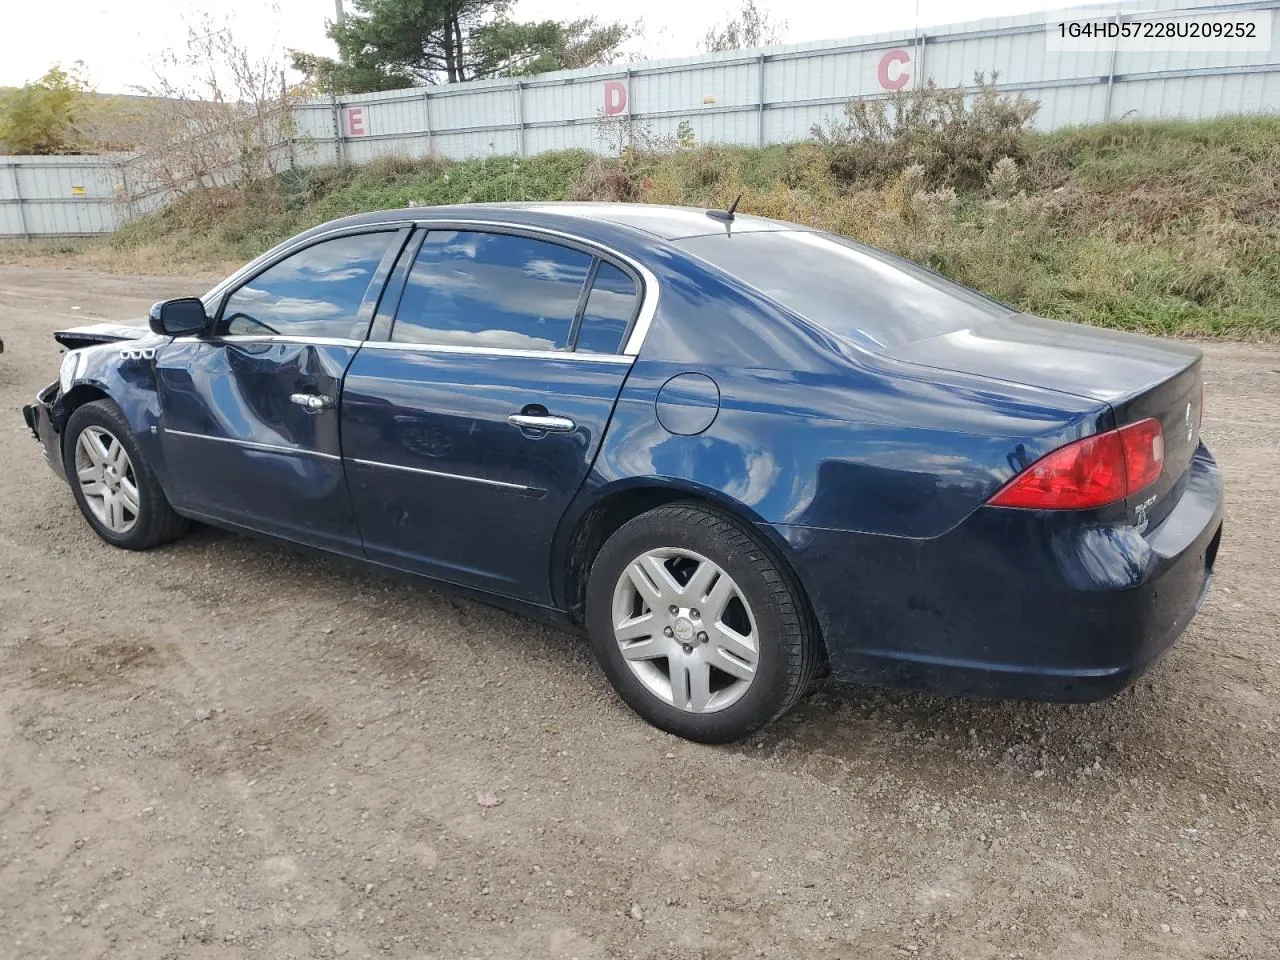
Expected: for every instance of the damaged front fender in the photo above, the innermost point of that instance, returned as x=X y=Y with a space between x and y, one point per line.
x=102 y=363
x=122 y=372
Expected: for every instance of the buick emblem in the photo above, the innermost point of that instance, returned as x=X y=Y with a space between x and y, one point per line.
x=1191 y=424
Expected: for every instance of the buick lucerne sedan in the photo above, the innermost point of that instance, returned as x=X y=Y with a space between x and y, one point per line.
x=740 y=454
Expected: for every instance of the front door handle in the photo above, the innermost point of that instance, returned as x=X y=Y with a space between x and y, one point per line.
x=548 y=422
x=311 y=402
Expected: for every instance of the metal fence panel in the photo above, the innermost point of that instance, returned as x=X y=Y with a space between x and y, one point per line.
x=750 y=97
x=482 y=109
x=44 y=196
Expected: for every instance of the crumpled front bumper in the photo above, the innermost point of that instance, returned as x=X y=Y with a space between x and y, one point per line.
x=39 y=420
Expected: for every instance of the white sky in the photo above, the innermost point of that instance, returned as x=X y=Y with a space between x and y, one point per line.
x=119 y=39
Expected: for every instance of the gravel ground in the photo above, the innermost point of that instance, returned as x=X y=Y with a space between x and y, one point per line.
x=223 y=748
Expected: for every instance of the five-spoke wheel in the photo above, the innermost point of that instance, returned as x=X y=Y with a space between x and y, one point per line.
x=685 y=629
x=107 y=479
x=698 y=624
x=113 y=484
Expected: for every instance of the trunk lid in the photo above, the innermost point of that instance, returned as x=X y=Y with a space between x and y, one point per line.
x=1137 y=376
x=74 y=338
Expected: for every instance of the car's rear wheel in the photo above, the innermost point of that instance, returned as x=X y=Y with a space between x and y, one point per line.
x=699 y=627
x=114 y=487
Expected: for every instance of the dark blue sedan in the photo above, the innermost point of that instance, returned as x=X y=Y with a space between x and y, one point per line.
x=741 y=453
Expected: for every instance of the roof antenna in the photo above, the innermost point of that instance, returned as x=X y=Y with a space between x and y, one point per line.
x=725 y=216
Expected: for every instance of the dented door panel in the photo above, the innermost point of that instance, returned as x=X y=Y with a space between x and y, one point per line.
x=243 y=450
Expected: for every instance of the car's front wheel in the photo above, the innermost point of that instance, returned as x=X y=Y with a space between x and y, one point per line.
x=116 y=490
x=697 y=625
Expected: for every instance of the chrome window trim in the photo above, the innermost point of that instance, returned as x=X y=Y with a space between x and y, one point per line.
x=615 y=358
x=648 y=303
x=517 y=487
x=269 y=258
x=254 y=445
x=639 y=330
x=274 y=338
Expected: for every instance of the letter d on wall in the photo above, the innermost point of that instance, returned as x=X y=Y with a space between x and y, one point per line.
x=887 y=62
x=615 y=97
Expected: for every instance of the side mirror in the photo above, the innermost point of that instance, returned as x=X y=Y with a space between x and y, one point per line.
x=182 y=317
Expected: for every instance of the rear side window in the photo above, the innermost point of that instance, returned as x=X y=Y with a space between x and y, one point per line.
x=610 y=307
x=316 y=292
x=476 y=289
x=851 y=290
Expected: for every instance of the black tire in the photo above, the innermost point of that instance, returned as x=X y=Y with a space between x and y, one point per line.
x=790 y=650
x=155 y=522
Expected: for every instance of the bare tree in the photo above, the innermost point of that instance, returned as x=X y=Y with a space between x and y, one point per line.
x=217 y=114
x=752 y=27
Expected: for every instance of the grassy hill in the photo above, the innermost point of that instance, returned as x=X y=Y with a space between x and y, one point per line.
x=1168 y=227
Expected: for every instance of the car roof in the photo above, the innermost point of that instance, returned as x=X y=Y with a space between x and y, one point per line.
x=665 y=222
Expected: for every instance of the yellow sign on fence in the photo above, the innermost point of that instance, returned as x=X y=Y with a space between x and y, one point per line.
x=77 y=191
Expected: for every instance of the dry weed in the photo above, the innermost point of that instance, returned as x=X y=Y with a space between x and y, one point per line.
x=604 y=180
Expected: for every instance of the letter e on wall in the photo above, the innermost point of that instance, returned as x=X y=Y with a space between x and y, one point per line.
x=355 y=122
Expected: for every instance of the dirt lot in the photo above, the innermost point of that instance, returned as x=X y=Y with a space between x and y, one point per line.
x=223 y=748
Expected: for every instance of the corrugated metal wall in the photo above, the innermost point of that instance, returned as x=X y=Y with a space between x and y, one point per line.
x=59 y=195
x=71 y=196
x=756 y=97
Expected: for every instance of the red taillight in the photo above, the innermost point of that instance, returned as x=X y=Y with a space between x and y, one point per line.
x=1143 y=453
x=1091 y=472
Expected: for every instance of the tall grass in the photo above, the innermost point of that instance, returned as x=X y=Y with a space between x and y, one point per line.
x=1164 y=227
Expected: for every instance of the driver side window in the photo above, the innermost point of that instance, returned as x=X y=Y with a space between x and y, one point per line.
x=317 y=292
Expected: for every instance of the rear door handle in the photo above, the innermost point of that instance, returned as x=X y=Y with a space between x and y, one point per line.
x=311 y=402
x=548 y=422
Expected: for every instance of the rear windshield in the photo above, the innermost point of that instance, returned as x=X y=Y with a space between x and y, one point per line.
x=851 y=290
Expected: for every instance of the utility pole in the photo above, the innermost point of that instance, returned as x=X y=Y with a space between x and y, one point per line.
x=338 y=7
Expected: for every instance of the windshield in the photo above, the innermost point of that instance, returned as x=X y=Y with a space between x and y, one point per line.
x=851 y=290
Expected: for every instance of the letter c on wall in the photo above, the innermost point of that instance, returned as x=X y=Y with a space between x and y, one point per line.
x=892 y=57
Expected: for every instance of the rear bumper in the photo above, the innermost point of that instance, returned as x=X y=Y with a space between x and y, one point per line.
x=39 y=419
x=1014 y=604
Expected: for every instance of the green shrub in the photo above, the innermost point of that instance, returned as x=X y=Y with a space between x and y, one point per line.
x=1163 y=227
x=388 y=167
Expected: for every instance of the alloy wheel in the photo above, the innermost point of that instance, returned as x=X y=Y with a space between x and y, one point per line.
x=685 y=630
x=107 y=479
